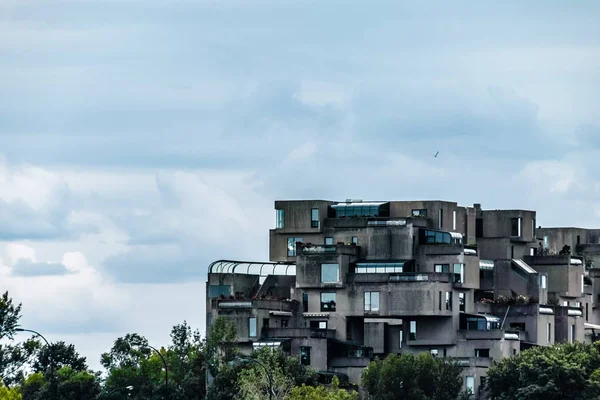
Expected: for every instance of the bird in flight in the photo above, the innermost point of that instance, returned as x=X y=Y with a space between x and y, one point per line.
x=436 y=154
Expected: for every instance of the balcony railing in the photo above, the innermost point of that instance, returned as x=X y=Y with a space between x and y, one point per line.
x=263 y=304
x=308 y=249
x=298 y=333
x=403 y=277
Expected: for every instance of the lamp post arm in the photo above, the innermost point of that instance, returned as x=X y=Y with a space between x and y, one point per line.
x=166 y=370
x=51 y=355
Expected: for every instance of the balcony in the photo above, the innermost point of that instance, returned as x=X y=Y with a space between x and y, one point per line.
x=262 y=304
x=440 y=249
x=404 y=277
x=473 y=362
x=308 y=249
x=351 y=362
x=494 y=334
x=298 y=333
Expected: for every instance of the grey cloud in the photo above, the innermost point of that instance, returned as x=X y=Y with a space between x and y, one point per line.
x=29 y=268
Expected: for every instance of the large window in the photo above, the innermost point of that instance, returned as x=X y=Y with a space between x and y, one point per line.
x=448 y=301
x=470 y=384
x=252 y=326
x=461 y=302
x=355 y=240
x=330 y=273
x=515 y=226
x=372 y=301
x=328 y=302
x=434 y=237
x=422 y=213
x=413 y=330
x=441 y=268
x=484 y=353
x=280 y=223
x=361 y=210
x=543 y=281
x=572 y=334
x=400 y=338
x=305 y=355
x=459 y=273
x=305 y=302
x=314 y=218
x=378 y=268
x=328 y=241
x=291 y=246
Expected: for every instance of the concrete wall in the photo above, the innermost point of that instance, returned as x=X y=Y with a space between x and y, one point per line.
x=563 y=279
x=318 y=352
x=497 y=223
x=297 y=215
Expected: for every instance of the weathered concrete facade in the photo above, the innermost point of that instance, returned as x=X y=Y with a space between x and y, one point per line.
x=351 y=280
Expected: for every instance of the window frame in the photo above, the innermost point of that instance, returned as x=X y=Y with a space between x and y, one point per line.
x=462 y=301
x=250 y=320
x=314 y=223
x=337 y=273
x=292 y=251
x=370 y=295
x=330 y=308
x=279 y=218
x=305 y=356
x=412 y=332
x=328 y=240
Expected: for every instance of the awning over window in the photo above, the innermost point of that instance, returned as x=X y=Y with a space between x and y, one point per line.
x=511 y=336
x=486 y=264
x=315 y=315
x=471 y=251
x=574 y=313
x=281 y=313
x=269 y=343
x=576 y=261
x=546 y=310
x=591 y=326
x=456 y=235
x=523 y=265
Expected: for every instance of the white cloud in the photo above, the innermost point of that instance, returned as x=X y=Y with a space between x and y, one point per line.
x=323 y=94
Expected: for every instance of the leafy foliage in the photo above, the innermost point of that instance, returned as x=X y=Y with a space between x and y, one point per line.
x=9 y=393
x=321 y=392
x=412 y=377
x=284 y=373
x=563 y=371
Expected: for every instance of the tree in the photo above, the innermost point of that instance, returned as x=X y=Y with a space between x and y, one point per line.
x=187 y=363
x=220 y=343
x=64 y=355
x=412 y=377
x=13 y=357
x=321 y=392
x=563 y=371
x=285 y=372
x=9 y=393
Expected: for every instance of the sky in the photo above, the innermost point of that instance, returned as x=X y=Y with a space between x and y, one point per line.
x=141 y=140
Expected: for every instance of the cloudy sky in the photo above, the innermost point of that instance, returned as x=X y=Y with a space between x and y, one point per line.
x=142 y=139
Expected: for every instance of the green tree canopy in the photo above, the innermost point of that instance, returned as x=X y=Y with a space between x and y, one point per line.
x=321 y=392
x=412 y=377
x=559 y=372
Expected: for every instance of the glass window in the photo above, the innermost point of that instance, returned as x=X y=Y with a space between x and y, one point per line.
x=280 y=219
x=454 y=220
x=448 y=301
x=461 y=302
x=420 y=213
x=459 y=273
x=355 y=240
x=305 y=302
x=252 y=326
x=328 y=241
x=327 y=302
x=400 y=338
x=470 y=384
x=314 y=218
x=442 y=268
x=515 y=227
x=291 y=246
x=372 y=301
x=441 y=218
x=413 y=330
x=434 y=352
x=572 y=334
x=330 y=273
x=549 y=332
x=484 y=353
x=305 y=355
x=440 y=300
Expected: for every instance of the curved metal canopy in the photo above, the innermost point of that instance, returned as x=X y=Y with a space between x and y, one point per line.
x=252 y=268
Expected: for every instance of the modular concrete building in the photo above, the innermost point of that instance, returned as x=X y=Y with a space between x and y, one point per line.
x=348 y=281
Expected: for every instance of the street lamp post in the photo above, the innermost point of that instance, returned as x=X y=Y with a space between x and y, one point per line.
x=51 y=354
x=269 y=377
x=166 y=371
